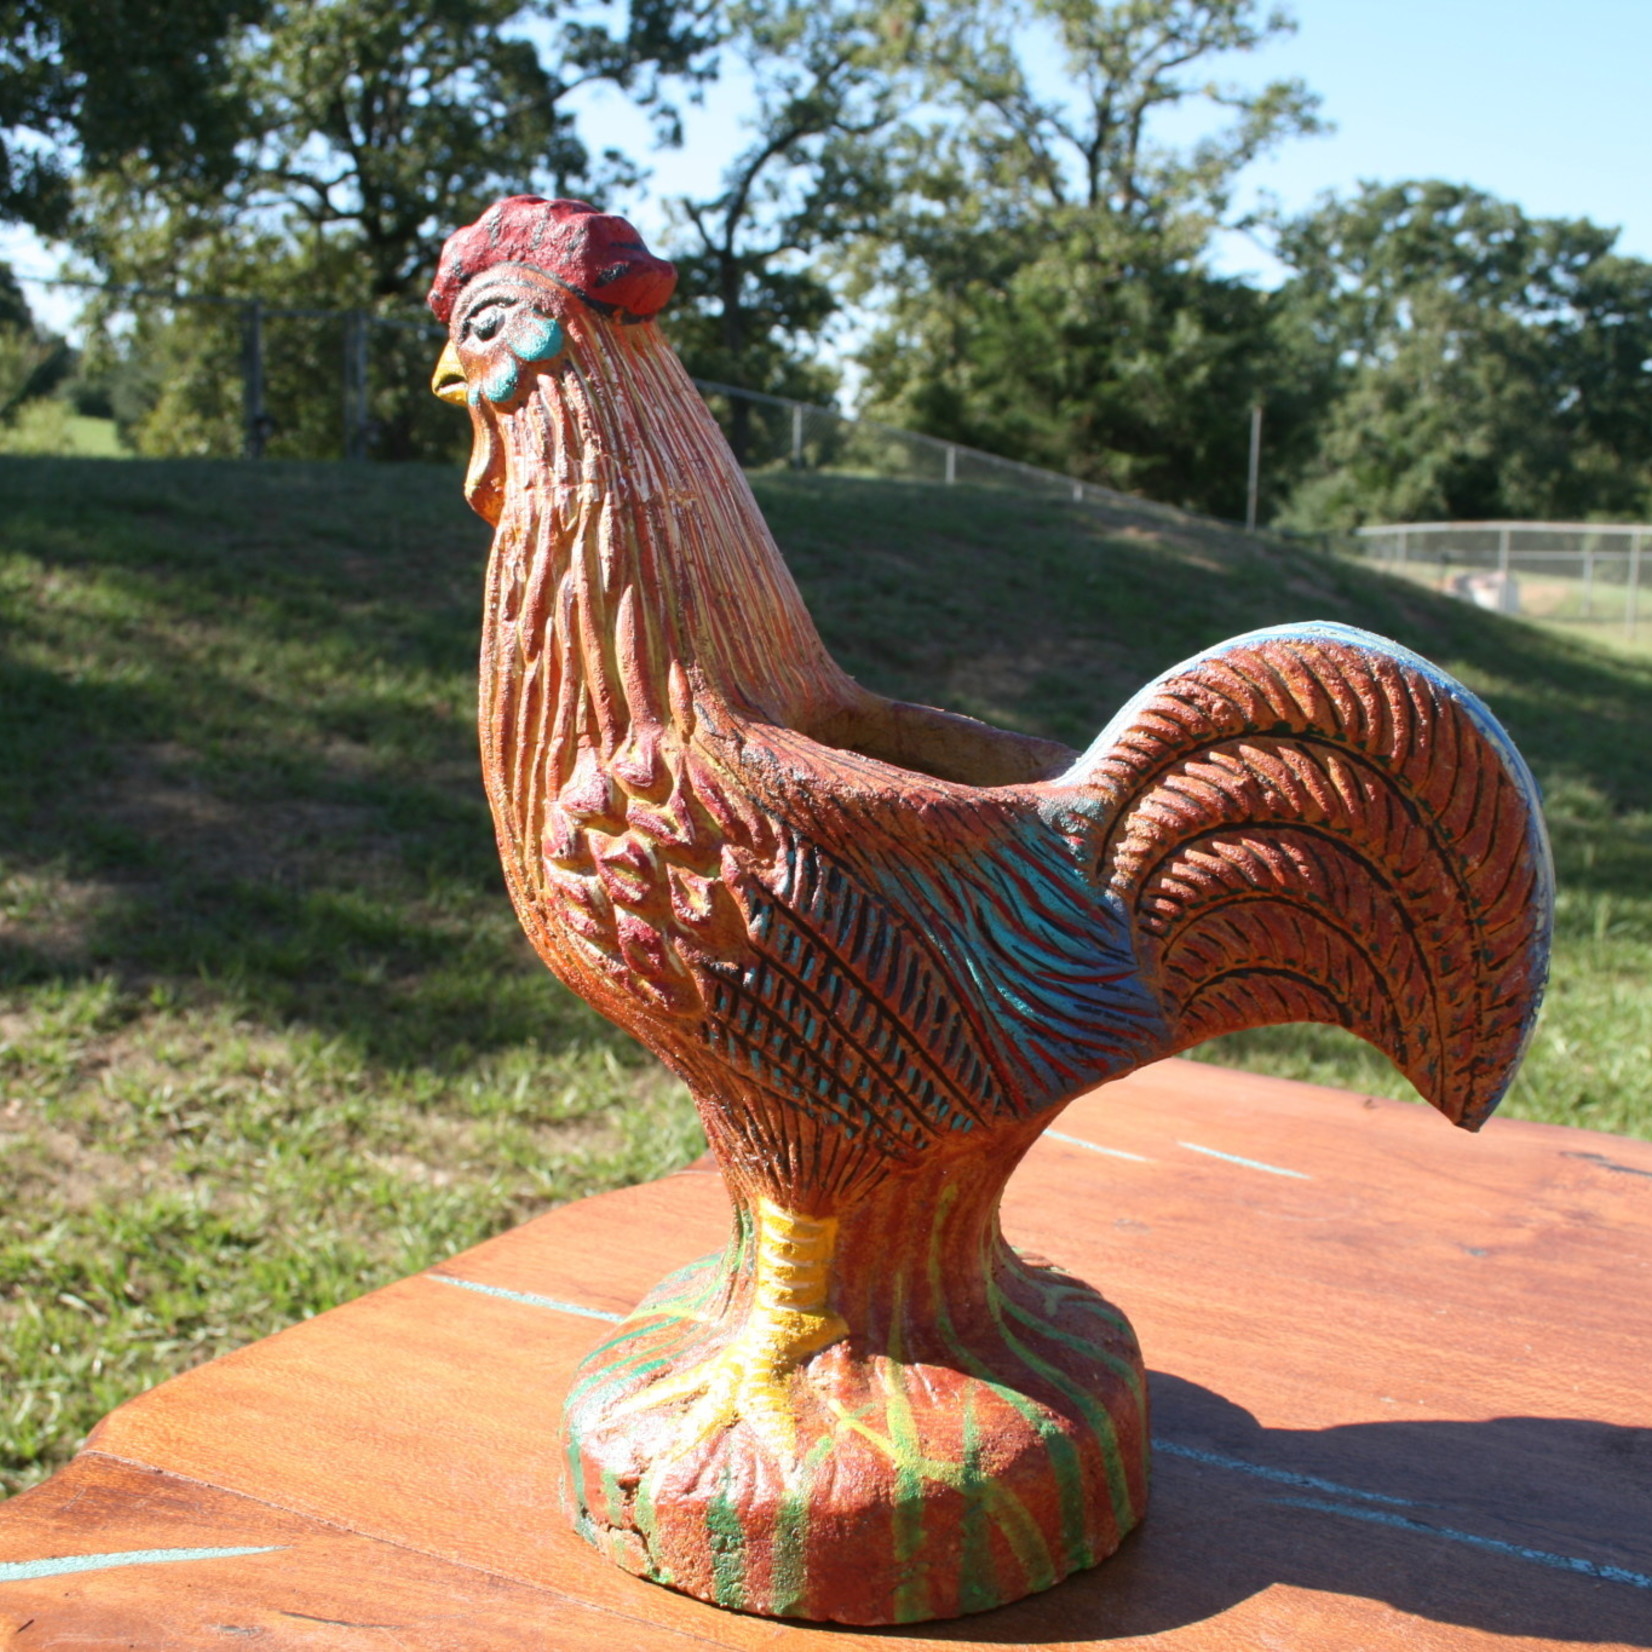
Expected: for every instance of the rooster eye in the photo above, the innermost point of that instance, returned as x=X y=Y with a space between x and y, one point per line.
x=486 y=322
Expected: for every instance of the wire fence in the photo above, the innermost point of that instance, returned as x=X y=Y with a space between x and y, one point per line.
x=764 y=430
x=1588 y=573
x=767 y=431
x=350 y=332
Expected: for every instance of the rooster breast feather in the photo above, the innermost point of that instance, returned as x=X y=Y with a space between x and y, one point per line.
x=1312 y=823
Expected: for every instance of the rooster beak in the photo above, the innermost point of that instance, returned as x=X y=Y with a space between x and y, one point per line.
x=448 y=381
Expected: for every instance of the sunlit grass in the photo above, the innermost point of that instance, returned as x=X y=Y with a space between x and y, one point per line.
x=48 y=426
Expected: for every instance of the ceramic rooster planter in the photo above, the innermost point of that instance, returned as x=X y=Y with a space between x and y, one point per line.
x=884 y=945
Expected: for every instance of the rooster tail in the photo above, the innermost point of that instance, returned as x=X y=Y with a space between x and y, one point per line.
x=1312 y=823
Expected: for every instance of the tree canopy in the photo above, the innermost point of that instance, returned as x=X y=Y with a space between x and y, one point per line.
x=830 y=80
x=91 y=83
x=363 y=131
x=1044 y=281
x=1487 y=364
x=987 y=197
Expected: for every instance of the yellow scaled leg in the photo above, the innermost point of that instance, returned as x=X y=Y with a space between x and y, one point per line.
x=789 y=1319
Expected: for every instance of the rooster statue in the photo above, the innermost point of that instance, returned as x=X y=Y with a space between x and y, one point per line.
x=883 y=945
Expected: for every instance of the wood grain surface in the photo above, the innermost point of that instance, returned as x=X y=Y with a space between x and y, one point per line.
x=1400 y=1384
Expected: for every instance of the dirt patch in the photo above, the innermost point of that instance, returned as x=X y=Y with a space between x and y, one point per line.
x=998 y=682
x=155 y=793
x=47 y=914
x=41 y=1165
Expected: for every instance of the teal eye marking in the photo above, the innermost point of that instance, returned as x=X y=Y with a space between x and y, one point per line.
x=528 y=337
x=534 y=337
x=500 y=384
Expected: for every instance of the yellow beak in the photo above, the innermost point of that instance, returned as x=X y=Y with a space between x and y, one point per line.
x=448 y=381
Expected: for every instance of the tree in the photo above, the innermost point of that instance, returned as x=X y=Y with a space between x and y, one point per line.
x=32 y=362
x=1093 y=145
x=392 y=122
x=1045 y=285
x=383 y=123
x=380 y=125
x=1488 y=364
x=104 y=81
x=1114 y=356
x=829 y=79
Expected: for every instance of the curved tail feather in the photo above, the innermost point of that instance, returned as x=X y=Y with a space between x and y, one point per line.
x=1312 y=823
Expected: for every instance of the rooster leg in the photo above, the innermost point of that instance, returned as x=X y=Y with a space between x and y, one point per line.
x=789 y=1319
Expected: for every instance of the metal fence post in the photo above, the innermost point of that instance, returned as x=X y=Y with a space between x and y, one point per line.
x=797 y=436
x=255 y=420
x=355 y=384
x=951 y=463
x=1634 y=591
x=1253 y=475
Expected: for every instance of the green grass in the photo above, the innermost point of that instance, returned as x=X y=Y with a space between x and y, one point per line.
x=268 y=1033
x=50 y=426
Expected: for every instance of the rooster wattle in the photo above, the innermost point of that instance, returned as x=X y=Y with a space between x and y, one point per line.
x=883 y=945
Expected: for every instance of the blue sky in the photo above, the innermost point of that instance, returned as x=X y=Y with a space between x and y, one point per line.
x=1542 y=102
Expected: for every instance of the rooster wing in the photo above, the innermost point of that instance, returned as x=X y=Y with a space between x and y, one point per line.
x=921 y=960
x=1312 y=823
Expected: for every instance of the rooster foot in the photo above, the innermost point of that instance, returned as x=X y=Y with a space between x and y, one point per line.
x=789 y=1319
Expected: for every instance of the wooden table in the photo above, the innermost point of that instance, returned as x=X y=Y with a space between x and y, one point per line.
x=1402 y=1382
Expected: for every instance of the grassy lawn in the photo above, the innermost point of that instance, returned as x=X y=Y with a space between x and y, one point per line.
x=268 y=1034
x=50 y=426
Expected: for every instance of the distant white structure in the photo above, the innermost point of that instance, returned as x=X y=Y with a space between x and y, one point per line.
x=1579 y=571
x=1498 y=591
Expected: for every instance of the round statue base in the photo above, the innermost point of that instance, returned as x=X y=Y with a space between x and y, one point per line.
x=978 y=1440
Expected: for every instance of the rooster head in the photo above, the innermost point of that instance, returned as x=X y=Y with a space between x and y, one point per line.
x=510 y=288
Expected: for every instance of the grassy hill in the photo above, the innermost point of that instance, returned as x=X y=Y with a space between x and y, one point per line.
x=268 y=1033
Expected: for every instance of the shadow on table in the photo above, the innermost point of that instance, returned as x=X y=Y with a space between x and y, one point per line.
x=1506 y=1526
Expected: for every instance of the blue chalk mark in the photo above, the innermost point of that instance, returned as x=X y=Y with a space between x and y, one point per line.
x=527 y=1298
x=1249 y=1164
x=1282 y=1476
x=1096 y=1147
x=21 y=1571
x=1518 y=1551
x=1401 y=1522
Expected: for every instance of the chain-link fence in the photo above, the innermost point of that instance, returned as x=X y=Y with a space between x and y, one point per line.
x=297 y=381
x=767 y=431
x=1588 y=573
x=286 y=407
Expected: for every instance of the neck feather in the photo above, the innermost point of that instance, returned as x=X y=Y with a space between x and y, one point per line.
x=634 y=592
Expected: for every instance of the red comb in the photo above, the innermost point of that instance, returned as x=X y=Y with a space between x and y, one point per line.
x=596 y=255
